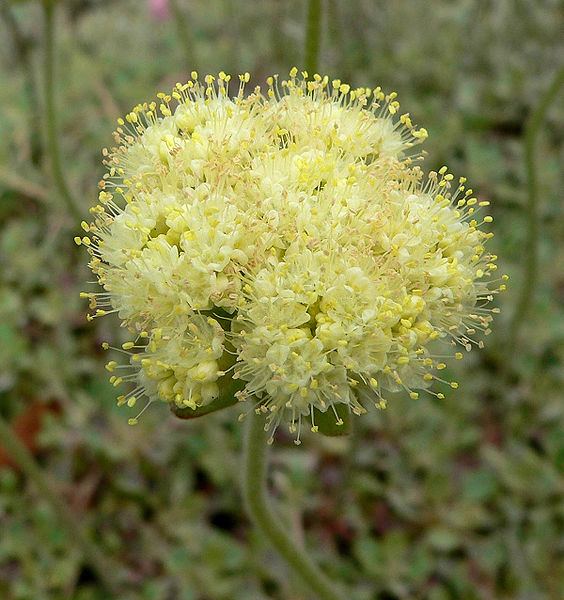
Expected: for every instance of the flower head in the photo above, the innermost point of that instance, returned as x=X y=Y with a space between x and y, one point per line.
x=287 y=239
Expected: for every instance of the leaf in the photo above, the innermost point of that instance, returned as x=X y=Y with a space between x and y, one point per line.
x=226 y=399
x=481 y=485
x=443 y=539
x=326 y=422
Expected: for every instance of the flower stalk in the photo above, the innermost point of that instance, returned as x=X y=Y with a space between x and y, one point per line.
x=258 y=506
x=532 y=210
x=51 y=113
x=313 y=36
x=184 y=34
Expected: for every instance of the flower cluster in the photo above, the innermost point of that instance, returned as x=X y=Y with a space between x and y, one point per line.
x=287 y=239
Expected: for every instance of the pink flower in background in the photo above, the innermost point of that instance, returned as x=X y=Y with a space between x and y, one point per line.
x=159 y=9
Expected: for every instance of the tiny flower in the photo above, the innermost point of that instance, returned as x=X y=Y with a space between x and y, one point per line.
x=287 y=241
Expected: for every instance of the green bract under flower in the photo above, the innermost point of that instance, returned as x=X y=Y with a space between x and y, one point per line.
x=287 y=240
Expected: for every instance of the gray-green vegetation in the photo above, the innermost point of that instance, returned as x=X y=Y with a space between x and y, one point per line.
x=461 y=498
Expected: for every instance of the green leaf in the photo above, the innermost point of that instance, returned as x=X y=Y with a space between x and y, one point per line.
x=326 y=422
x=443 y=539
x=481 y=485
x=226 y=399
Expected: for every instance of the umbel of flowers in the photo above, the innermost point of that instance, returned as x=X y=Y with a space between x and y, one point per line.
x=283 y=248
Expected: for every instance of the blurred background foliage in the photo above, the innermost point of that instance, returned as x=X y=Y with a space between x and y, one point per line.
x=459 y=498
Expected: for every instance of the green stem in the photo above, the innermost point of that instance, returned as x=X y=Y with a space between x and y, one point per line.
x=337 y=38
x=184 y=33
x=51 y=114
x=258 y=505
x=91 y=553
x=312 y=36
x=531 y=257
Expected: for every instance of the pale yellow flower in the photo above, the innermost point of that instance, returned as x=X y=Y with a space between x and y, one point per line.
x=286 y=239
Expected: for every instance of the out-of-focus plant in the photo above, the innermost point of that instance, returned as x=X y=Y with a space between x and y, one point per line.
x=107 y=572
x=528 y=287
